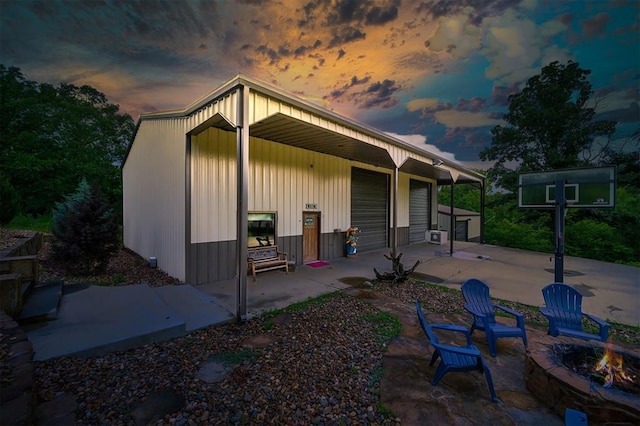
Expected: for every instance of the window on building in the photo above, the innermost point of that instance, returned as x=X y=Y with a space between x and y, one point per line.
x=262 y=229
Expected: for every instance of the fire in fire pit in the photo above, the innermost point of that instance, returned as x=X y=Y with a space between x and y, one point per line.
x=611 y=365
x=605 y=367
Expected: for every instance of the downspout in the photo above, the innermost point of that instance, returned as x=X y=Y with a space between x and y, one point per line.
x=242 y=148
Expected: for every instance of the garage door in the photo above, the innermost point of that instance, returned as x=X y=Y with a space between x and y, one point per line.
x=462 y=230
x=418 y=210
x=369 y=208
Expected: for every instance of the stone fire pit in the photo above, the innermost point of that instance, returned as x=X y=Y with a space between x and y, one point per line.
x=559 y=388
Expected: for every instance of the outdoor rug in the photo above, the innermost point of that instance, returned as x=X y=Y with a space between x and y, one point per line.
x=317 y=264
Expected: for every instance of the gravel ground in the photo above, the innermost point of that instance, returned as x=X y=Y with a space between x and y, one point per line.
x=10 y=237
x=322 y=366
x=125 y=268
x=317 y=363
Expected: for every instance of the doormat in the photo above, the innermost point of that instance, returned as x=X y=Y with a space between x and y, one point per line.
x=317 y=264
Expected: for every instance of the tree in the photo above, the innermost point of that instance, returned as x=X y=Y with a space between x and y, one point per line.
x=51 y=137
x=551 y=126
x=85 y=231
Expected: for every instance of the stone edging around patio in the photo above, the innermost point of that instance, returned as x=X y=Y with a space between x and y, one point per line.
x=17 y=398
x=560 y=388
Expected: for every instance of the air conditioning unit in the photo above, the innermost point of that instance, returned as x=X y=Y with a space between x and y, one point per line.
x=437 y=237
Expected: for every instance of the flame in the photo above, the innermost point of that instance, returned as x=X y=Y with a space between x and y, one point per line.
x=610 y=365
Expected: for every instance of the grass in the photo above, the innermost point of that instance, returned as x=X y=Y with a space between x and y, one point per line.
x=297 y=307
x=42 y=223
x=387 y=326
x=234 y=358
x=385 y=411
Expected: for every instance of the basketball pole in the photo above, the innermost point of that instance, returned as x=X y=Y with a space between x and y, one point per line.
x=559 y=231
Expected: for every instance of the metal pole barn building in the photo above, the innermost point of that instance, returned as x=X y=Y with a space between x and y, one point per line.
x=198 y=184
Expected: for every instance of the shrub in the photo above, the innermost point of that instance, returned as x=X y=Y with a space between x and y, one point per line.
x=9 y=200
x=85 y=231
x=22 y=222
x=596 y=240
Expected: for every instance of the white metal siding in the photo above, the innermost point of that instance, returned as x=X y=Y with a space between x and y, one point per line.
x=154 y=194
x=284 y=179
x=213 y=186
x=403 y=200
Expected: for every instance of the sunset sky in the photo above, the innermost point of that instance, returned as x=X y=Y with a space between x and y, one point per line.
x=434 y=73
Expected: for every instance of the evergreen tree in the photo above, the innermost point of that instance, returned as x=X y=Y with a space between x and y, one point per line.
x=85 y=231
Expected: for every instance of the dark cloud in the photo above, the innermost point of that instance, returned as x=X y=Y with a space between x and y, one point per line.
x=604 y=91
x=631 y=29
x=343 y=35
x=380 y=94
x=466 y=142
x=419 y=61
x=381 y=15
x=631 y=114
x=44 y=8
x=500 y=94
x=346 y=19
x=355 y=81
x=475 y=104
x=268 y=52
x=565 y=18
x=347 y=11
x=632 y=93
x=319 y=58
x=476 y=10
x=301 y=50
x=594 y=27
x=496 y=115
x=284 y=51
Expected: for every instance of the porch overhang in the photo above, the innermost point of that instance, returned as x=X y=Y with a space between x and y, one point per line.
x=285 y=129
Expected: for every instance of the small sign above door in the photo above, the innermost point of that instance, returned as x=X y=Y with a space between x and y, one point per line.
x=311 y=206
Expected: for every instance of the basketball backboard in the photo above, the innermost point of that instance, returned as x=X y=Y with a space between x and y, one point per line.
x=584 y=188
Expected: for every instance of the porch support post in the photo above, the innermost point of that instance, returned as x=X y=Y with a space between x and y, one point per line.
x=242 y=148
x=394 y=234
x=452 y=222
x=482 y=213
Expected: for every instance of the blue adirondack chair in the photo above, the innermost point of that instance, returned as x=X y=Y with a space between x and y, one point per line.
x=564 y=311
x=479 y=304
x=454 y=358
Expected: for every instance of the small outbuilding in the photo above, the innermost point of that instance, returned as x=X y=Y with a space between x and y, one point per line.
x=467 y=223
x=249 y=165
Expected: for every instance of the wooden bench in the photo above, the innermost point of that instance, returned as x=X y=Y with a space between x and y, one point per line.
x=266 y=259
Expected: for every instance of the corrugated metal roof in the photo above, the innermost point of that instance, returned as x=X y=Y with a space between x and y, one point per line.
x=288 y=130
x=456 y=211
